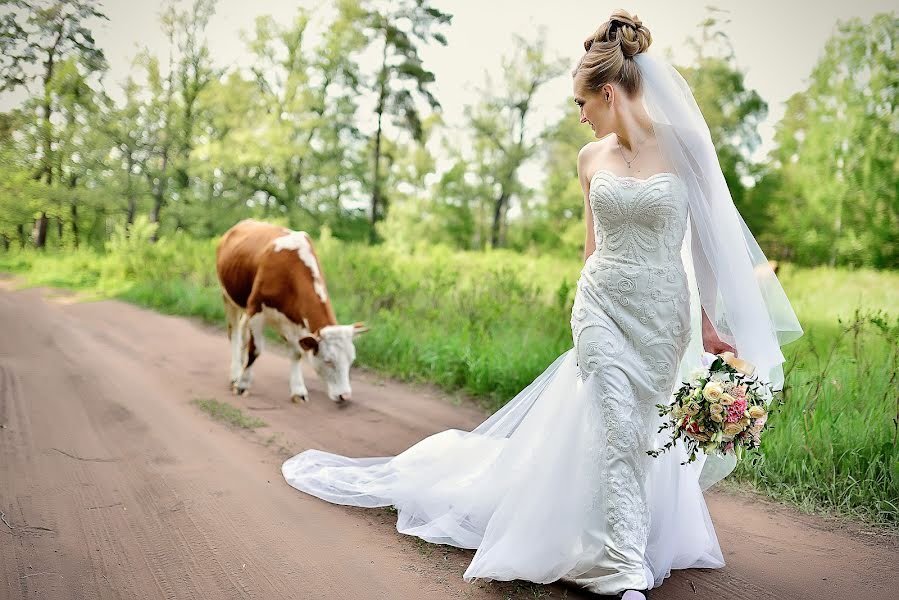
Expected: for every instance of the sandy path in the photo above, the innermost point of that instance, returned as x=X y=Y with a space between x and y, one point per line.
x=113 y=485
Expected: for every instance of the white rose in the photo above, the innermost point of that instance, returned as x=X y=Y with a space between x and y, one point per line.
x=756 y=411
x=712 y=391
x=697 y=374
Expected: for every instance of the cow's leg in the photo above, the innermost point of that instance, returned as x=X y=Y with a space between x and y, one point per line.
x=240 y=346
x=232 y=315
x=254 y=343
x=298 y=391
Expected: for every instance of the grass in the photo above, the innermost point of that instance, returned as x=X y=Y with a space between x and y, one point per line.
x=227 y=413
x=487 y=323
x=834 y=443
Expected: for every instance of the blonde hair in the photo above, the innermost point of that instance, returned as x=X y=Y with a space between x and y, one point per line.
x=610 y=54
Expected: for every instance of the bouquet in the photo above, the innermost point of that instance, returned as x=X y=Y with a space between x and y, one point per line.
x=723 y=408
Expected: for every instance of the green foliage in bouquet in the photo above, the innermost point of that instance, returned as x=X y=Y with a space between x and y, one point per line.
x=722 y=409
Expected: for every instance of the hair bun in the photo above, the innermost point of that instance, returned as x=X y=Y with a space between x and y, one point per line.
x=625 y=30
x=634 y=22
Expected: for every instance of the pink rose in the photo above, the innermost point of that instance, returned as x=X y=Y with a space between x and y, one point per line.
x=735 y=411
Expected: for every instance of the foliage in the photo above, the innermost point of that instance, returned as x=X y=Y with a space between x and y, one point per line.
x=503 y=137
x=316 y=134
x=49 y=42
x=398 y=28
x=835 y=438
x=469 y=203
x=831 y=194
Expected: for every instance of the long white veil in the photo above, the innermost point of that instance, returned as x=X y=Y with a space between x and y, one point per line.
x=729 y=274
x=738 y=289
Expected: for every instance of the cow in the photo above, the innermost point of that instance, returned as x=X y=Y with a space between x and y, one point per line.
x=271 y=275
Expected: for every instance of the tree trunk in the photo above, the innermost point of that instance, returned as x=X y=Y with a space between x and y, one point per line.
x=837 y=229
x=20 y=230
x=498 y=210
x=132 y=202
x=5 y=241
x=154 y=215
x=74 y=213
x=376 y=181
x=376 y=185
x=159 y=194
x=39 y=233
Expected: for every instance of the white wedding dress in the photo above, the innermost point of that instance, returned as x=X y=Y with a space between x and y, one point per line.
x=557 y=484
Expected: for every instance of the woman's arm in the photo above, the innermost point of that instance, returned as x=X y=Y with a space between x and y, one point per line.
x=582 y=160
x=710 y=340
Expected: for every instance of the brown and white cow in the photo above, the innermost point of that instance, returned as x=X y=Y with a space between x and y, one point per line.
x=271 y=275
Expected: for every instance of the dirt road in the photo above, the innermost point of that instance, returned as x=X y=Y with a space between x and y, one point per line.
x=113 y=484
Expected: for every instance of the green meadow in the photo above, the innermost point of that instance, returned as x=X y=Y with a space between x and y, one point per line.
x=486 y=323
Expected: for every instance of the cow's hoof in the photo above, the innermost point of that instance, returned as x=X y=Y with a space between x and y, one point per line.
x=342 y=400
x=240 y=391
x=298 y=398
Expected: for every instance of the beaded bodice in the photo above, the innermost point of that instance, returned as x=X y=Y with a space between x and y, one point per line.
x=638 y=221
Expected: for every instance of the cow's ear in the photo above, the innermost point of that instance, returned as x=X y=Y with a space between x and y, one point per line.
x=359 y=328
x=309 y=343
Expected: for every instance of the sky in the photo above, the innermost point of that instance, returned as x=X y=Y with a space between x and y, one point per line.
x=776 y=42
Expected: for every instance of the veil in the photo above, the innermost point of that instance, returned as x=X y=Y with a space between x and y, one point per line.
x=727 y=272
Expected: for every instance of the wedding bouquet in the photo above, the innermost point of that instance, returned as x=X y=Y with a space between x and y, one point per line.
x=723 y=408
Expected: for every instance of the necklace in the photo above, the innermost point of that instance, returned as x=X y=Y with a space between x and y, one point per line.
x=635 y=154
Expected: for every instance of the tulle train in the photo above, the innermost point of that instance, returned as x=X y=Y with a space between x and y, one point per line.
x=521 y=488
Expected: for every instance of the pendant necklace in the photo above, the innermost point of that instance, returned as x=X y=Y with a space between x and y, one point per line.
x=635 y=154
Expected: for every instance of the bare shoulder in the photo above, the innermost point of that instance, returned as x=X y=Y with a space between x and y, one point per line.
x=589 y=151
x=587 y=156
x=592 y=156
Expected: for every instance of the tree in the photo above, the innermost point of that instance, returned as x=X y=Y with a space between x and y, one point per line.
x=398 y=27
x=81 y=148
x=836 y=172
x=732 y=111
x=558 y=222
x=20 y=194
x=292 y=116
x=499 y=124
x=37 y=36
x=172 y=103
x=124 y=128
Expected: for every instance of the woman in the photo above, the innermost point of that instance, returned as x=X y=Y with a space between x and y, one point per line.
x=557 y=484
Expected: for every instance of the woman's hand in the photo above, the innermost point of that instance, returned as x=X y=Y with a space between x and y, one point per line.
x=710 y=340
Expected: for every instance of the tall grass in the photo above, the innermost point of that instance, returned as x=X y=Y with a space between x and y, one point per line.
x=487 y=323
x=834 y=442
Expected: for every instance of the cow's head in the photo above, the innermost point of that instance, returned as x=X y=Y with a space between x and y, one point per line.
x=332 y=353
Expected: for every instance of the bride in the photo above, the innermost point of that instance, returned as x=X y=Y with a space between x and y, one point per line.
x=557 y=484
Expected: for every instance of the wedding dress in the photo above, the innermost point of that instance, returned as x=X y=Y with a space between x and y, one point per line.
x=557 y=484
